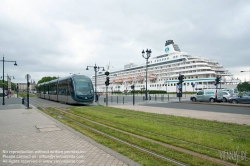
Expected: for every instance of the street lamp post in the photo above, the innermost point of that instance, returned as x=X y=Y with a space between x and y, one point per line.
x=8 y=78
x=3 y=76
x=96 y=68
x=147 y=56
x=249 y=73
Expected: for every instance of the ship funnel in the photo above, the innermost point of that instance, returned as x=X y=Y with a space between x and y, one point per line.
x=170 y=47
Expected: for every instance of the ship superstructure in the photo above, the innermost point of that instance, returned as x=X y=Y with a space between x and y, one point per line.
x=163 y=72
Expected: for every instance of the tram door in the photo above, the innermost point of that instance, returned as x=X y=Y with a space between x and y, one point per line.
x=70 y=90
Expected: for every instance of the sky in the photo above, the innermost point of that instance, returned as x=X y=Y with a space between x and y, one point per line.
x=59 y=37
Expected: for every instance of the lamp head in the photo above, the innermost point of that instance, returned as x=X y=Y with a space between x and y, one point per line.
x=148 y=51
x=103 y=69
x=87 y=68
x=15 y=63
x=143 y=53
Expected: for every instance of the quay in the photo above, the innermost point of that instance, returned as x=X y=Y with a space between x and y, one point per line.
x=30 y=137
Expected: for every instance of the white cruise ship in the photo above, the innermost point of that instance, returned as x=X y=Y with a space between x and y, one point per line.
x=163 y=72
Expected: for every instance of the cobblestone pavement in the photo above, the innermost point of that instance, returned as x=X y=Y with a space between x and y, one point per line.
x=223 y=117
x=30 y=137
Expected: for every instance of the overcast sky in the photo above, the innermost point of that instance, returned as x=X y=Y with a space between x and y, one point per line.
x=59 y=37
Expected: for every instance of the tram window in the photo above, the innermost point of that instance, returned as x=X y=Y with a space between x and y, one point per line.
x=46 y=89
x=83 y=86
x=52 y=88
x=62 y=87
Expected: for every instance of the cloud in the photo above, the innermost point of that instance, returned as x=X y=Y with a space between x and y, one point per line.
x=55 y=38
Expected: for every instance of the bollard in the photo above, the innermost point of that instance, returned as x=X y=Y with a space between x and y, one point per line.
x=111 y=99
x=22 y=100
x=143 y=98
x=104 y=100
x=149 y=97
x=123 y=99
x=155 y=97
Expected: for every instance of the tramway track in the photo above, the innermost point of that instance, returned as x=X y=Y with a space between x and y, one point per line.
x=120 y=140
x=214 y=129
x=216 y=160
x=160 y=135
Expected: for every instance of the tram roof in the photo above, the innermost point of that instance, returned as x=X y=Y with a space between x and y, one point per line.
x=62 y=78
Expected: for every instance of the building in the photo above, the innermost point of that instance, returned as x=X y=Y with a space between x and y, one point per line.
x=23 y=86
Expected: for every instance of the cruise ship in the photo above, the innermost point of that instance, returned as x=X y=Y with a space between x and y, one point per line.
x=163 y=71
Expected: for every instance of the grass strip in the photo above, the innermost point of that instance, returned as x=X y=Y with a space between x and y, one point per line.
x=223 y=142
x=133 y=153
x=186 y=158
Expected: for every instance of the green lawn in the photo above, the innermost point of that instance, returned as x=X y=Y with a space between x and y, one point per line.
x=205 y=137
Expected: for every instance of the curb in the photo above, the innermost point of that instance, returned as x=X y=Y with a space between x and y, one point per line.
x=222 y=104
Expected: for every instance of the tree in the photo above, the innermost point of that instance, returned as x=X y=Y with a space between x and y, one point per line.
x=46 y=79
x=13 y=85
x=245 y=86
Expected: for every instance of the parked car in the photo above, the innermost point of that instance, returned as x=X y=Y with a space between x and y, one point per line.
x=233 y=91
x=207 y=95
x=226 y=96
x=243 y=98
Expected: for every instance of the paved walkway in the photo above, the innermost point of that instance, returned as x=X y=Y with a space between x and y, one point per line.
x=30 y=137
x=223 y=117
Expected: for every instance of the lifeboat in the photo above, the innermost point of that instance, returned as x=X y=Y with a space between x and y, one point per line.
x=118 y=80
x=152 y=76
x=139 y=78
x=129 y=79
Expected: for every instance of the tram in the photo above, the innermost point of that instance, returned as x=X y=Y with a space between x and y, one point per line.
x=75 y=89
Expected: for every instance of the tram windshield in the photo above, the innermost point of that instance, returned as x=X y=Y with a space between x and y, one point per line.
x=83 y=86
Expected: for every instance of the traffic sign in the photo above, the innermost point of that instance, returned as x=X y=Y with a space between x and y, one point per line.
x=28 y=77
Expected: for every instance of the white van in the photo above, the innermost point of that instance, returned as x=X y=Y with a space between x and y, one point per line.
x=208 y=95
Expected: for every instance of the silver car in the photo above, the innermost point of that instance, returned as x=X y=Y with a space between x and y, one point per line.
x=226 y=96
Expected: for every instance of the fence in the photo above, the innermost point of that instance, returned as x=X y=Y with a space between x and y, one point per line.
x=124 y=99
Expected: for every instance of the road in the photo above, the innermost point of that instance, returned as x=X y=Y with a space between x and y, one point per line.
x=203 y=107
x=172 y=102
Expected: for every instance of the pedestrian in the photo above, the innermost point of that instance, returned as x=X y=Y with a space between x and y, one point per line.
x=8 y=94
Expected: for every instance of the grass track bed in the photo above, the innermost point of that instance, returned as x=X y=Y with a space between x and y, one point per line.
x=222 y=128
x=145 y=127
